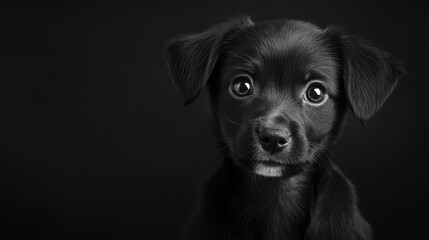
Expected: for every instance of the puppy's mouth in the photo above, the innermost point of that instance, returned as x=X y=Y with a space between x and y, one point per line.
x=275 y=151
x=271 y=163
x=271 y=168
x=282 y=164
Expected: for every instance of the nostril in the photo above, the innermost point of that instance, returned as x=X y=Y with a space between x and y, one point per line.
x=282 y=141
x=265 y=139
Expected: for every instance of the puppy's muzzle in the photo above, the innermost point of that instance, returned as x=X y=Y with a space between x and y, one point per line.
x=273 y=140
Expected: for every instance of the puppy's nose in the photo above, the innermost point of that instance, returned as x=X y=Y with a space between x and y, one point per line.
x=273 y=140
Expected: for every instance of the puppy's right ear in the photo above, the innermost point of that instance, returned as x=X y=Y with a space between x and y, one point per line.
x=192 y=58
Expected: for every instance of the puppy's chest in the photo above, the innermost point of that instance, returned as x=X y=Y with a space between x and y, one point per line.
x=271 y=217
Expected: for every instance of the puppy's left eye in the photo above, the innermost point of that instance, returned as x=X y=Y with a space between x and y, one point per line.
x=242 y=86
x=315 y=93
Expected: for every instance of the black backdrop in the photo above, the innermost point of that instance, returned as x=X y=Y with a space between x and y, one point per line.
x=94 y=141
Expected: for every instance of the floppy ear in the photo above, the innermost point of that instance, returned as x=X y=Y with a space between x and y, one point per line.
x=191 y=59
x=369 y=74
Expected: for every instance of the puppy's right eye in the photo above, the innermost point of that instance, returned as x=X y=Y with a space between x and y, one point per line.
x=242 y=86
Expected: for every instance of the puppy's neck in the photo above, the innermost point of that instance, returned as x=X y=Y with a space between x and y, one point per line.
x=261 y=205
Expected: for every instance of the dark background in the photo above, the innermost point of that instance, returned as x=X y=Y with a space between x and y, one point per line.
x=95 y=142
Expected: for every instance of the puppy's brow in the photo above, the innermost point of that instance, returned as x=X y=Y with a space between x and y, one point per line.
x=244 y=58
x=246 y=63
x=245 y=69
x=312 y=75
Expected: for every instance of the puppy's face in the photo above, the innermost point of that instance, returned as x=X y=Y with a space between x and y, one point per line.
x=278 y=97
x=279 y=89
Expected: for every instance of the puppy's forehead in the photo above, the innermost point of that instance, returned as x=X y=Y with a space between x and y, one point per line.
x=285 y=51
x=285 y=35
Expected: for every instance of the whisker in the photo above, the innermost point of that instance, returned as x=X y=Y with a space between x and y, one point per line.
x=229 y=120
x=326 y=149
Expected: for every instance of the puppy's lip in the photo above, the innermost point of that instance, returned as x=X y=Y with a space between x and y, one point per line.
x=273 y=163
x=271 y=168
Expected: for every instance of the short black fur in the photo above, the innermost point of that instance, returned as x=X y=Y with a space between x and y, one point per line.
x=297 y=191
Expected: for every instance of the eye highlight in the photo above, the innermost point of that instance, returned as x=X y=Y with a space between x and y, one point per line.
x=315 y=93
x=242 y=86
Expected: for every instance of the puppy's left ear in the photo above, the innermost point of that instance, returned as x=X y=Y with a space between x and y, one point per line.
x=191 y=59
x=369 y=74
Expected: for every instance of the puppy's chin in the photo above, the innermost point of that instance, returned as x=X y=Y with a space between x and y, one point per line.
x=268 y=171
x=273 y=168
x=277 y=170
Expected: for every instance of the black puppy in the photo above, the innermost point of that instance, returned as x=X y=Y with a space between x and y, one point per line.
x=279 y=92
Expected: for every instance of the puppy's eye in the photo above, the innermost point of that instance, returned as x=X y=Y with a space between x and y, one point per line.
x=315 y=93
x=242 y=86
